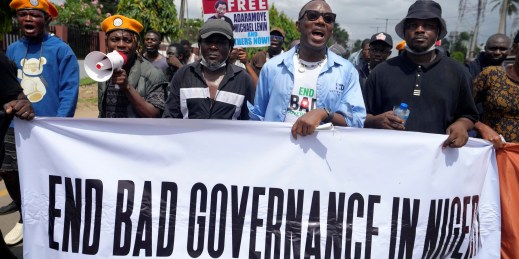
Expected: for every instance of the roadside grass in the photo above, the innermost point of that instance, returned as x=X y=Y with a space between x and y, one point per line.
x=87 y=92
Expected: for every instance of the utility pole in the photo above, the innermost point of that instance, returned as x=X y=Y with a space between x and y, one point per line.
x=387 y=20
x=181 y=14
x=502 y=20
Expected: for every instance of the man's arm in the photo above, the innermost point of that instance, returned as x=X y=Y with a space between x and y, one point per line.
x=386 y=120
x=458 y=133
x=21 y=107
x=143 y=108
x=242 y=56
x=306 y=124
x=261 y=97
x=68 y=83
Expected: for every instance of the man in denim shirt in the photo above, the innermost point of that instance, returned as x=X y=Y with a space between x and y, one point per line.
x=309 y=84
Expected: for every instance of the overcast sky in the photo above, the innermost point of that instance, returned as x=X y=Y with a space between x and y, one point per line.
x=362 y=18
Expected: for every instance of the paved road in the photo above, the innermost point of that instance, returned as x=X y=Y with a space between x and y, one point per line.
x=8 y=221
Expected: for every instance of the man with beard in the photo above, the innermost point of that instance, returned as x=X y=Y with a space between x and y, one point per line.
x=309 y=84
x=380 y=46
x=435 y=87
x=138 y=89
x=211 y=88
x=277 y=37
x=152 y=41
x=49 y=75
x=496 y=51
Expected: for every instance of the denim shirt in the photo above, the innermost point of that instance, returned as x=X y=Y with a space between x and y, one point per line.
x=337 y=89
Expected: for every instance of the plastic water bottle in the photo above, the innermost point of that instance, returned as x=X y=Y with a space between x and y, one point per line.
x=402 y=111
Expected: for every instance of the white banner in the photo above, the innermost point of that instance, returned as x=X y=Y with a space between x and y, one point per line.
x=98 y=188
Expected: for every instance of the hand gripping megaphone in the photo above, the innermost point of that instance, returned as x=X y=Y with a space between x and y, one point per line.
x=100 y=66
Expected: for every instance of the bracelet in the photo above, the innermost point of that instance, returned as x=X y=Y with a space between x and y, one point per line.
x=498 y=137
x=329 y=115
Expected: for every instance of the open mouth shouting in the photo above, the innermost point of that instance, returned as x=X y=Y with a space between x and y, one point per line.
x=318 y=36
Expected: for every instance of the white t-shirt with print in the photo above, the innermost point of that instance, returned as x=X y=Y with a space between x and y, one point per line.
x=303 y=98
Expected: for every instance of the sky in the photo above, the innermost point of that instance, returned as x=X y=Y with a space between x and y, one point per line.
x=363 y=18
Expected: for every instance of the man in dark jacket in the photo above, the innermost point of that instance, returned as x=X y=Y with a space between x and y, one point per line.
x=496 y=51
x=210 y=88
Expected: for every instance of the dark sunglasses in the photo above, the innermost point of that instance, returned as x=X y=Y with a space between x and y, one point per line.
x=276 y=37
x=312 y=15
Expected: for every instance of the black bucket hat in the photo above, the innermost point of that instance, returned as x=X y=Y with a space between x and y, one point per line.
x=423 y=9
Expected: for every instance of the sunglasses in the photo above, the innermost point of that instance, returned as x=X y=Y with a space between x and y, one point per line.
x=312 y=15
x=276 y=37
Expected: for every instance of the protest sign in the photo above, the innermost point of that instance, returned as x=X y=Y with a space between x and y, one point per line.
x=249 y=18
x=232 y=189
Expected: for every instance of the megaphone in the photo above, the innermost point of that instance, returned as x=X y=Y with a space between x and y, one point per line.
x=100 y=66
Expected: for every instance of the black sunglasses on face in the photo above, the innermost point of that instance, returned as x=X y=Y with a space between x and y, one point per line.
x=312 y=15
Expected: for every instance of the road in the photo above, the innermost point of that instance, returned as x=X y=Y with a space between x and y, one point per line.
x=8 y=221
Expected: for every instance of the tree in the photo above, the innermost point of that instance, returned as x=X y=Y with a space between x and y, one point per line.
x=507 y=8
x=281 y=20
x=458 y=45
x=190 y=30
x=340 y=36
x=6 y=18
x=357 y=45
x=160 y=15
x=81 y=14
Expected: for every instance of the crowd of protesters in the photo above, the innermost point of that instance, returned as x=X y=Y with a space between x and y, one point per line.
x=307 y=85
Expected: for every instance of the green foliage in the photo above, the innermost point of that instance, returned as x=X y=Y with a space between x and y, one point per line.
x=340 y=35
x=511 y=9
x=356 y=46
x=6 y=20
x=281 y=20
x=81 y=14
x=458 y=56
x=460 y=43
x=160 y=15
x=86 y=81
x=190 y=30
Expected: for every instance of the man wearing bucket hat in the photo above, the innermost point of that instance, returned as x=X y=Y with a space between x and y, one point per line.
x=138 y=89
x=49 y=75
x=435 y=87
x=211 y=88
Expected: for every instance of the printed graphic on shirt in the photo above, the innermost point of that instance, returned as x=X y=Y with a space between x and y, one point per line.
x=304 y=94
x=303 y=102
x=32 y=82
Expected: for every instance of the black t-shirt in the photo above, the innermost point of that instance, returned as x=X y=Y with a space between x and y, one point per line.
x=438 y=93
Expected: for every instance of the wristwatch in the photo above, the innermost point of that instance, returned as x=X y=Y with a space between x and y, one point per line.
x=329 y=115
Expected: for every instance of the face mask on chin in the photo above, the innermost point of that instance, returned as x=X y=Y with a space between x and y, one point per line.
x=212 y=66
x=420 y=53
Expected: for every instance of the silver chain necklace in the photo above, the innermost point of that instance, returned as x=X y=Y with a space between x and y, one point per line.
x=302 y=67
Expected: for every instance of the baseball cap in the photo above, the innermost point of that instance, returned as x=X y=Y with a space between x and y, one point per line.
x=213 y=26
x=383 y=37
x=278 y=30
